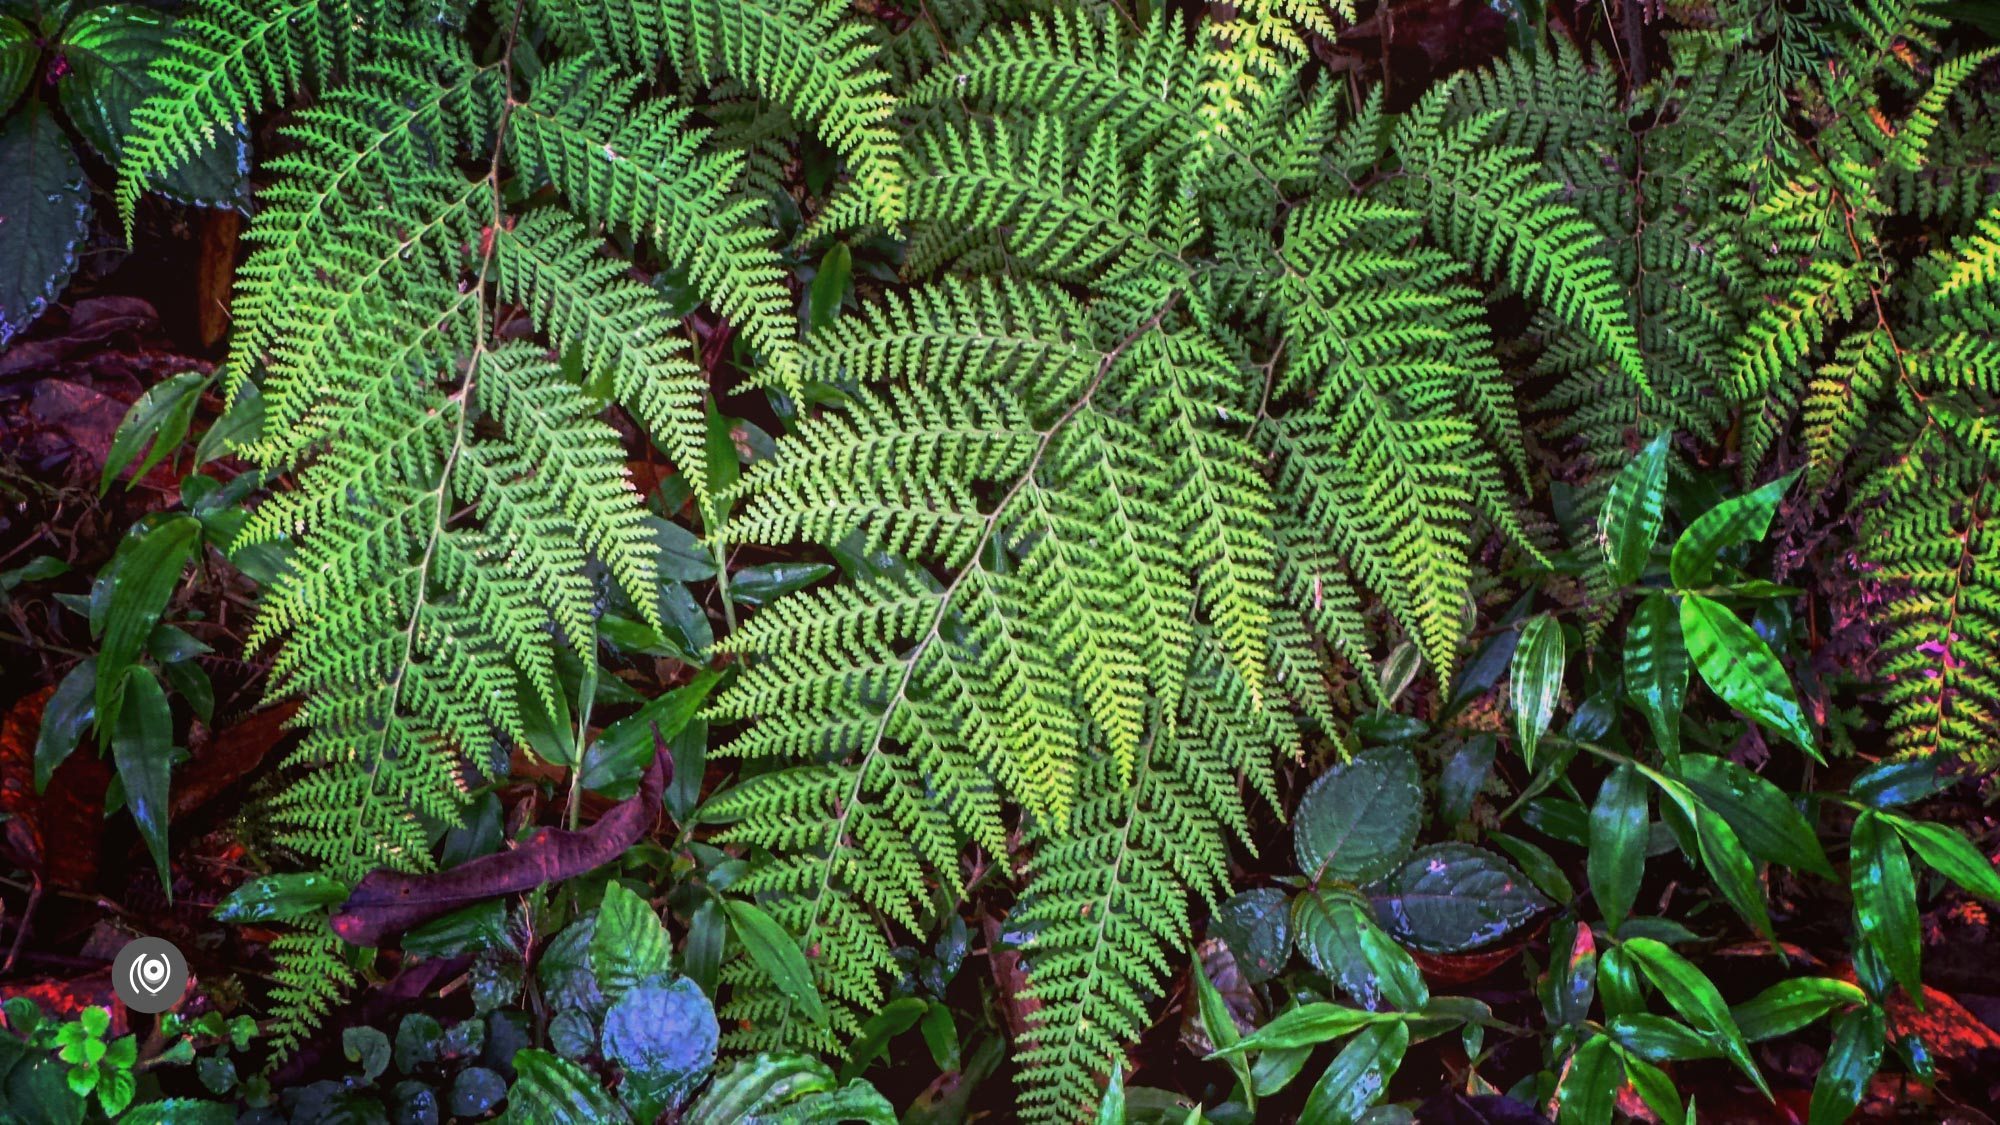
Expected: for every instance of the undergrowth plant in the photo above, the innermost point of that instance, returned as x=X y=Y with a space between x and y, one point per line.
x=1188 y=424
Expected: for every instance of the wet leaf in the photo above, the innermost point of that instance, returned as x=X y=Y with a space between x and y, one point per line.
x=613 y=763
x=1341 y=941
x=1739 y=519
x=1536 y=683
x=1358 y=819
x=777 y=954
x=157 y=422
x=893 y=1019
x=1852 y=1060
x=142 y=747
x=280 y=898
x=630 y=944
x=757 y=586
x=1903 y=780
x=829 y=285
x=368 y=1047
x=1448 y=898
x=143 y=576
x=1742 y=669
x=19 y=52
x=1306 y=1026
x=44 y=215
x=551 y=1090
x=1589 y=1091
x=1694 y=996
x=1633 y=510
x=664 y=1036
x=1656 y=668
x=68 y=714
x=1617 y=860
x=1950 y=854
x=1257 y=927
x=1885 y=900
x=1769 y=826
x=1790 y=1005
x=1357 y=1076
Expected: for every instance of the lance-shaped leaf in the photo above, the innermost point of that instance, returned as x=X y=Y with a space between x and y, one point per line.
x=1536 y=682
x=1656 y=668
x=1739 y=519
x=1617 y=857
x=1885 y=901
x=1743 y=670
x=1633 y=511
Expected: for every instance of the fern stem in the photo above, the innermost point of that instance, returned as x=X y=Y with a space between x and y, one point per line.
x=931 y=632
x=441 y=514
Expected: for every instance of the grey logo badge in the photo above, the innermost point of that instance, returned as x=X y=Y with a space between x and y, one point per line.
x=149 y=974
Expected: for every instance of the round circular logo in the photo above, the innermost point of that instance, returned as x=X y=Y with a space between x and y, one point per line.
x=149 y=974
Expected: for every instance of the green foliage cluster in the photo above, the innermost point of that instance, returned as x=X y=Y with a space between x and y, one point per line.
x=1176 y=407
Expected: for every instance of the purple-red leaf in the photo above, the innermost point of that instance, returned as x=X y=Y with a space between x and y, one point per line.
x=388 y=902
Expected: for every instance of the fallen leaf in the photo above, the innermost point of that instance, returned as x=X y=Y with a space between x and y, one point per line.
x=70 y=812
x=387 y=902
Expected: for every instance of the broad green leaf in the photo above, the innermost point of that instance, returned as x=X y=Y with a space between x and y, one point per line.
x=663 y=1035
x=1220 y=1026
x=111 y=50
x=158 y=423
x=1306 y=1026
x=1850 y=1064
x=47 y=211
x=777 y=954
x=19 y=52
x=1656 y=668
x=1357 y=821
x=1950 y=854
x=1257 y=927
x=1885 y=901
x=1357 y=1076
x=723 y=462
x=1588 y=1094
x=280 y=898
x=630 y=944
x=829 y=286
x=1448 y=898
x=770 y=1087
x=1742 y=669
x=143 y=578
x=64 y=718
x=1570 y=983
x=1659 y=1039
x=1764 y=819
x=613 y=764
x=1739 y=519
x=1340 y=940
x=1618 y=983
x=1617 y=860
x=893 y=1019
x=549 y=1090
x=1464 y=776
x=1694 y=996
x=1729 y=864
x=1656 y=1090
x=239 y=425
x=1633 y=511
x=1538 y=865
x=142 y=745
x=369 y=1047
x=760 y=585
x=1536 y=682
x=1722 y=854
x=1790 y=1005
x=1903 y=780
